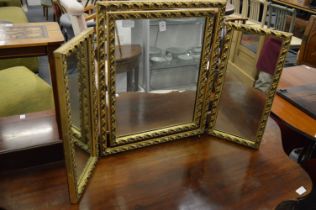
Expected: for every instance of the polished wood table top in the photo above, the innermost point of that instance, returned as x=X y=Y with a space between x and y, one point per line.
x=290 y=114
x=22 y=132
x=125 y=53
x=194 y=173
x=29 y=34
x=298 y=4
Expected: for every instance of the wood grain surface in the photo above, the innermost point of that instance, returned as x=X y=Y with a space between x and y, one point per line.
x=49 y=32
x=197 y=173
x=138 y=112
x=31 y=130
x=295 y=76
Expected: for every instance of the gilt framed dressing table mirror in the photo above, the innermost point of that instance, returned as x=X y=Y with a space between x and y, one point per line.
x=149 y=74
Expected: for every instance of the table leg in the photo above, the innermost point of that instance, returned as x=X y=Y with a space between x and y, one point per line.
x=50 y=54
x=136 y=77
x=129 y=80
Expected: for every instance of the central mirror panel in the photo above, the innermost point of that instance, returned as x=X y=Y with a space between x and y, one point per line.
x=157 y=70
x=158 y=66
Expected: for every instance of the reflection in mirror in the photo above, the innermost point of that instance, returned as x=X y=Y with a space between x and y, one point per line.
x=79 y=109
x=157 y=68
x=77 y=92
x=254 y=65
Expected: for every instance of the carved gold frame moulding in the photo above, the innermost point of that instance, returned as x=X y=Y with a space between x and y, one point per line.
x=101 y=116
x=82 y=45
x=218 y=85
x=107 y=14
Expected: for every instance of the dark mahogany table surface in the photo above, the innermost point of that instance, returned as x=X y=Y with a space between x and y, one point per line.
x=287 y=112
x=20 y=132
x=194 y=173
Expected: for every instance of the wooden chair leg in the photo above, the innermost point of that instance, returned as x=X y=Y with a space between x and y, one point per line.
x=43 y=10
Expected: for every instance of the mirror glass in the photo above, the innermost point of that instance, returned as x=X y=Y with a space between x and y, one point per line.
x=77 y=94
x=157 y=69
x=78 y=83
x=251 y=65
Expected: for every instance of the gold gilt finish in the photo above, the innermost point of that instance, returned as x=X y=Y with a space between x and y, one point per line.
x=97 y=106
x=107 y=14
x=82 y=44
x=230 y=27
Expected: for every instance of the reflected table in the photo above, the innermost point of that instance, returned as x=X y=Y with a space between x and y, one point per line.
x=139 y=111
x=245 y=103
x=127 y=60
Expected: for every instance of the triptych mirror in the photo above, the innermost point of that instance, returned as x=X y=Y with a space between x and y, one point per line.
x=157 y=71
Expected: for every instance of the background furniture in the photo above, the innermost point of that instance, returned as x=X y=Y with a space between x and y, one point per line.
x=30 y=141
x=15 y=14
x=23 y=92
x=199 y=173
x=307 y=53
x=128 y=62
x=46 y=4
x=298 y=128
x=289 y=114
x=11 y=3
x=301 y=5
x=58 y=10
x=240 y=11
x=278 y=15
x=75 y=13
x=257 y=12
x=35 y=39
x=277 y=20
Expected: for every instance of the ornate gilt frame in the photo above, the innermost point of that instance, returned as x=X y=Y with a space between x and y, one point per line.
x=89 y=106
x=218 y=87
x=108 y=12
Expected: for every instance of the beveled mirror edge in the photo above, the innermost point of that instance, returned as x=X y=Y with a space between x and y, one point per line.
x=102 y=20
x=76 y=185
x=218 y=86
x=112 y=17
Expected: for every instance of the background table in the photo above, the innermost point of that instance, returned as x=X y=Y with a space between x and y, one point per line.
x=298 y=128
x=32 y=39
x=29 y=141
x=290 y=114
